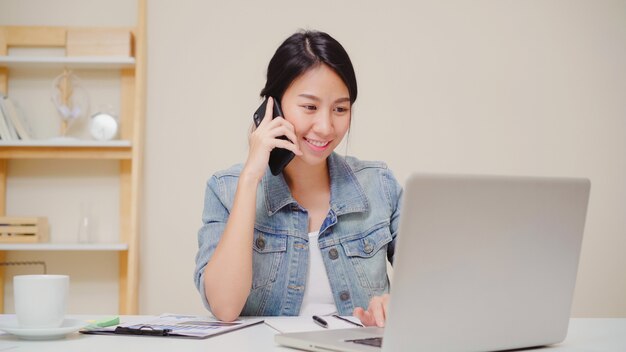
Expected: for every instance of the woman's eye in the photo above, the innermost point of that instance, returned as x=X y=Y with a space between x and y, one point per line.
x=310 y=107
x=341 y=109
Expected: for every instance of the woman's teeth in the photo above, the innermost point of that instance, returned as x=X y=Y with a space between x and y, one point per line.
x=317 y=143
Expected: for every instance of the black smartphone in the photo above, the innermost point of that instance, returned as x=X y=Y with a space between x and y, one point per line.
x=279 y=157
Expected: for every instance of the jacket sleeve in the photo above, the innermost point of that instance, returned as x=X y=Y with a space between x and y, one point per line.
x=395 y=198
x=214 y=217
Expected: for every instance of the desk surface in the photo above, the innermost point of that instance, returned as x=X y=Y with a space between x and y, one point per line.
x=584 y=335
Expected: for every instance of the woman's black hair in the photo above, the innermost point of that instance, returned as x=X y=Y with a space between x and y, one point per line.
x=302 y=51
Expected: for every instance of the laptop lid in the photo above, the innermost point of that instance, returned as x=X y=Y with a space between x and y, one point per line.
x=483 y=263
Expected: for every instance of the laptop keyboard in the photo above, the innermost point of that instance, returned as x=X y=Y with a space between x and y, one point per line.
x=370 y=341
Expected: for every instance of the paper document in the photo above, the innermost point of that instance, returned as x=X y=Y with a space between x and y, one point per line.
x=306 y=323
x=175 y=326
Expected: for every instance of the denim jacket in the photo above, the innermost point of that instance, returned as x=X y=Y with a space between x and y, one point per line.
x=356 y=239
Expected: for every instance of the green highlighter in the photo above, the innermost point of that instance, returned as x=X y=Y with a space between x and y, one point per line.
x=102 y=323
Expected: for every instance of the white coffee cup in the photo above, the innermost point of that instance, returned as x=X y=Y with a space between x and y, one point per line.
x=40 y=300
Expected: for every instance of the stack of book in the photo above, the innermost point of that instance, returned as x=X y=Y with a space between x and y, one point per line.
x=12 y=124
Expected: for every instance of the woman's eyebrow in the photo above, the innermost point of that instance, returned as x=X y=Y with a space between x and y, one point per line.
x=309 y=96
x=314 y=98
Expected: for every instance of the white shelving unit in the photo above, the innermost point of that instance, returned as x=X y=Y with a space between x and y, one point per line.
x=127 y=151
x=66 y=143
x=83 y=62
x=63 y=246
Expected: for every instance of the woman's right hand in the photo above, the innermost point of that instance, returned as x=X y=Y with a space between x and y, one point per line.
x=265 y=138
x=376 y=313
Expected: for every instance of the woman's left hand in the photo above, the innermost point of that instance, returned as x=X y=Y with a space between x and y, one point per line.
x=376 y=313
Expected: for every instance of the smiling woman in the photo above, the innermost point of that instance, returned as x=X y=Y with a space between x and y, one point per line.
x=317 y=104
x=314 y=239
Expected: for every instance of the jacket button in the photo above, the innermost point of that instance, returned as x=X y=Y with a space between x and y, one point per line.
x=333 y=254
x=344 y=296
x=260 y=243
x=368 y=248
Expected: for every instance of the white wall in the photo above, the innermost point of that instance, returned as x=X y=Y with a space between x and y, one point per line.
x=500 y=87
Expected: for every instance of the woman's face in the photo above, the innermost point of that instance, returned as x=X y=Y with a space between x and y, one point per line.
x=317 y=104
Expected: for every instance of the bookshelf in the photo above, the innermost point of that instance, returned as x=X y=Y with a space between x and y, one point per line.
x=80 y=149
x=63 y=246
x=127 y=150
x=88 y=62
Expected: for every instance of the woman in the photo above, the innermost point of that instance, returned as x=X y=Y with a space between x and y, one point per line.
x=316 y=238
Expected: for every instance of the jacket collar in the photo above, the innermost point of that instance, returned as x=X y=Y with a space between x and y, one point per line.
x=346 y=194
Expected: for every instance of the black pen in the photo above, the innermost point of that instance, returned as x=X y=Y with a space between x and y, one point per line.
x=321 y=322
x=347 y=320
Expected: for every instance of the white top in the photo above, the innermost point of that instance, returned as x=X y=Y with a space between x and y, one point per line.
x=318 y=297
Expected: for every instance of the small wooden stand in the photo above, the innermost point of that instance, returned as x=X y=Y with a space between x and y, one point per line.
x=23 y=229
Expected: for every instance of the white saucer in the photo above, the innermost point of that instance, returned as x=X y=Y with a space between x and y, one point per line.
x=68 y=326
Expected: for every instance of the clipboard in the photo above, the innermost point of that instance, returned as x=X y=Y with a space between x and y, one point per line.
x=172 y=325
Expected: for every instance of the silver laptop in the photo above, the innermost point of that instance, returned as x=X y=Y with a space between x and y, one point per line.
x=483 y=263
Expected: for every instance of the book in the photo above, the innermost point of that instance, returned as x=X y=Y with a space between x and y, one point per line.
x=16 y=120
x=10 y=126
x=4 y=129
x=172 y=325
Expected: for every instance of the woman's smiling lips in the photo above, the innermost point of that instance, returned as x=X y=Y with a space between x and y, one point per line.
x=317 y=145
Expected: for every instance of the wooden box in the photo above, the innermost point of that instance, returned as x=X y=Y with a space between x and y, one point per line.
x=23 y=229
x=99 y=42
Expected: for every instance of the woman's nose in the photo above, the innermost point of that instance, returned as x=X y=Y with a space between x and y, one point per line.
x=323 y=124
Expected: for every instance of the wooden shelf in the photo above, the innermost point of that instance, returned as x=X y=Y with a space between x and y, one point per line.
x=83 y=62
x=65 y=142
x=63 y=246
x=102 y=50
x=66 y=149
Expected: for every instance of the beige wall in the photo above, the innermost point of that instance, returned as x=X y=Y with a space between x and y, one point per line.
x=499 y=87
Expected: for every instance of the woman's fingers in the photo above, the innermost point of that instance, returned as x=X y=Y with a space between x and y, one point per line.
x=265 y=138
x=376 y=313
x=281 y=143
x=269 y=111
x=280 y=127
x=377 y=310
x=366 y=318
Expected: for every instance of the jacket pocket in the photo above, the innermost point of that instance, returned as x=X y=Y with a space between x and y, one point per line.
x=368 y=255
x=269 y=250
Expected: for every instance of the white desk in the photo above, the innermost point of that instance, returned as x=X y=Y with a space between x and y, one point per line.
x=601 y=335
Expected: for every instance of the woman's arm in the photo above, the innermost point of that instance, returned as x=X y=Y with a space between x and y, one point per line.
x=228 y=273
x=376 y=313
